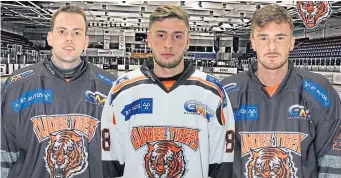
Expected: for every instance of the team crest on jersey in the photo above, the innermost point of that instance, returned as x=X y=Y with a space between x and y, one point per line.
x=313 y=12
x=18 y=77
x=66 y=154
x=165 y=145
x=271 y=153
x=164 y=159
x=95 y=97
x=299 y=112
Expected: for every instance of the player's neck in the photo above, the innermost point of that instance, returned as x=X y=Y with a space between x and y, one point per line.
x=271 y=77
x=65 y=65
x=165 y=72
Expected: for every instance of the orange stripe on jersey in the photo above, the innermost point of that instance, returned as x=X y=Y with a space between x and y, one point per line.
x=116 y=88
x=223 y=120
x=271 y=89
x=211 y=84
x=168 y=84
x=113 y=119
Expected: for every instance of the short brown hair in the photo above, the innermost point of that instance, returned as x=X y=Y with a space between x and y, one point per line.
x=168 y=11
x=271 y=13
x=70 y=9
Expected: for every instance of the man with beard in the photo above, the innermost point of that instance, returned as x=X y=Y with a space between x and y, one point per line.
x=288 y=121
x=50 y=111
x=167 y=119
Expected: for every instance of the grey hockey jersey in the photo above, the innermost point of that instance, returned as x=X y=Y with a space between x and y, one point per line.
x=293 y=134
x=51 y=127
x=149 y=131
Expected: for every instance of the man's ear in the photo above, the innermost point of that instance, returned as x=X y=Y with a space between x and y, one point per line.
x=149 y=41
x=292 y=43
x=253 y=43
x=86 y=44
x=49 y=38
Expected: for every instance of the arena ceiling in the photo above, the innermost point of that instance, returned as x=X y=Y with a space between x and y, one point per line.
x=232 y=17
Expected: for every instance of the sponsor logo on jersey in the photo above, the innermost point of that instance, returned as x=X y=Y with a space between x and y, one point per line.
x=313 y=12
x=95 y=97
x=66 y=154
x=299 y=112
x=317 y=91
x=246 y=112
x=229 y=88
x=29 y=98
x=18 y=77
x=140 y=106
x=197 y=108
x=271 y=153
x=105 y=79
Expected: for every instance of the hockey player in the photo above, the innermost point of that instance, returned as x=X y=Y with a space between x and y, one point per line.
x=50 y=111
x=167 y=119
x=288 y=120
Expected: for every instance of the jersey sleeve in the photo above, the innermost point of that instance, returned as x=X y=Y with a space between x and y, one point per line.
x=221 y=140
x=9 y=149
x=328 y=139
x=114 y=130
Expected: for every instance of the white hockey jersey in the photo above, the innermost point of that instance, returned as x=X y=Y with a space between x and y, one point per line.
x=149 y=131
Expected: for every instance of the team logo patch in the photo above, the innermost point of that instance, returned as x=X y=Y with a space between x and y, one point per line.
x=299 y=112
x=270 y=154
x=140 y=106
x=66 y=154
x=313 y=12
x=229 y=88
x=95 y=97
x=18 y=77
x=164 y=159
x=29 y=98
x=197 y=108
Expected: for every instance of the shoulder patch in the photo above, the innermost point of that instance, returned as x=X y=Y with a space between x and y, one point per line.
x=18 y=77
x=212 y=79
x=317 y=91
x=105 y=79
x=229 y=88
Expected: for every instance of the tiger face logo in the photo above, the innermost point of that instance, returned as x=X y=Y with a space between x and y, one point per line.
x=66 y=155
x=165 y=159
x=313 y=12
x=270 y=162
